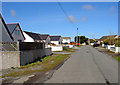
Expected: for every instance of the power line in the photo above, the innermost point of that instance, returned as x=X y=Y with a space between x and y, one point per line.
x=65 y=13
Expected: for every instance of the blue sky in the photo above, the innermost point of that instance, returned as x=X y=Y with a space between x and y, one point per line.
x=94 y=19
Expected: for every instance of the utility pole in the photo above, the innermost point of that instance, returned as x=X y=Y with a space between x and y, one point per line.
x=79 y=39
x=77 y=36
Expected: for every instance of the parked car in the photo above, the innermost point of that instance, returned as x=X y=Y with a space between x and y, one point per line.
x=95 y=45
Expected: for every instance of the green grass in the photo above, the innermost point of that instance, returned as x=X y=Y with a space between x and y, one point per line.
x=47 y=64
x=117 y=58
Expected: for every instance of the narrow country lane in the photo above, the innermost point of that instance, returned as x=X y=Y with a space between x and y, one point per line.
x=87 y=65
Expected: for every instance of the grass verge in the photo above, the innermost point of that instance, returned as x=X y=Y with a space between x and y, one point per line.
x=47 y=64
x=117 y=58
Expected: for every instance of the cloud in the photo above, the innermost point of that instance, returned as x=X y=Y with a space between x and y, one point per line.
x=84 y=18
x=88 y=7
x=13 y=13
x=112 y=10
x=71 y=18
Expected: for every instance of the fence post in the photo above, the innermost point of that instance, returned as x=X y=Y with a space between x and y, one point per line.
x=18 y=44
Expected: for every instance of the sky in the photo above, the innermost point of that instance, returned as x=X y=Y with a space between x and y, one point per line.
x=93 y=19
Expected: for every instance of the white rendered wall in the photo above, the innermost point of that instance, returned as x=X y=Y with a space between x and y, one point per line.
x=27 y=38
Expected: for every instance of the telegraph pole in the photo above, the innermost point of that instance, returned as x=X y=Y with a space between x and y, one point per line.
x=79 y=39
x=77 y=36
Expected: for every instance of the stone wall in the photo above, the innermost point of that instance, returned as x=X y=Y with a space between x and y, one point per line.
x=10 y=59
x=57 y=48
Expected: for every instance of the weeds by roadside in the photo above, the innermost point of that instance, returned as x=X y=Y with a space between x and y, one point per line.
x=47 y=64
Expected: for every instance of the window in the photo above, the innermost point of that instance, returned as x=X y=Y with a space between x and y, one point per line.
x=17 y=32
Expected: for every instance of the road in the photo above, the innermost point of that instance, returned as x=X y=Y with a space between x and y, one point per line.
x=87 y=65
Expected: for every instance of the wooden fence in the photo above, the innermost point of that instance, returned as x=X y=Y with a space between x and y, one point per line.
x=30 y=46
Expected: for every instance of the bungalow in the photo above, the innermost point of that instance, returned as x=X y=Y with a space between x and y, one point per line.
x=5 y=35
x=106 y=37
x=57 y=40
x=16 y=32
x=32 y=37
x=45 y=38
x=66 y=40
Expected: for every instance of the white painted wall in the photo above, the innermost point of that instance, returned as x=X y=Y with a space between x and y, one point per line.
x=70 y=46
x=57 y=48
x=91 y=43
x=109 y=46
x=65 y=40
x=55 y=42
x=28 y=38
x=103 y=45
x=117 y=50
x=17 y=36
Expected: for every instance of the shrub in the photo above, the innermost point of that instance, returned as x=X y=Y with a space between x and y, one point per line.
x=65 y=48
x=117 y=42
x=92 y=41
x=109 y=41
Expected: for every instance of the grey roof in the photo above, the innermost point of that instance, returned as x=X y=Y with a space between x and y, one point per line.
x=44 y=36
x=35 y=36
x=55 y=38
x=12 y=27
x=6 y=27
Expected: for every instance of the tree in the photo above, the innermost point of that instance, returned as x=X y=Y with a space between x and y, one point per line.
x=109 y=41
x=81 y=39
x=92 y=41
x=117 y=42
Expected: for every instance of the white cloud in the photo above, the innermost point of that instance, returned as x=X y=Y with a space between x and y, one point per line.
x=112 y=10
x=13 y=13
x=88 y=7
x=71 y=18
x=84 y=18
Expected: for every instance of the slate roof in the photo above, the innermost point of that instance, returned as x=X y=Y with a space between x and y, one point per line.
x=6 y=27
x=55 y=38
x=44 y=36
x=12 y=27
x=35 y=36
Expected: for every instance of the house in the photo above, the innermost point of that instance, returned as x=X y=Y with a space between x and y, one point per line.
x=32 y=37
x=45 y=38
x=66 y=40
x=57 y=40
x=5 y=35
x=118 y=36
x=16 y=32
x=107 y=37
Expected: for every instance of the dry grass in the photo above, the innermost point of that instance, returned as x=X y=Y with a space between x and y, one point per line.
x=47 y=64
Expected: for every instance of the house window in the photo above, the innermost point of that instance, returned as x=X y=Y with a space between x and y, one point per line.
x=17 y=32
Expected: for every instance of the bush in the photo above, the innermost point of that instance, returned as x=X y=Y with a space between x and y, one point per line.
x=117 y=43
x=92 y=41
x=65 y=48
x=109 y=41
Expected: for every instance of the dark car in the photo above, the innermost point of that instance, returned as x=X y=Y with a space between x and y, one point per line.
x=95 y=45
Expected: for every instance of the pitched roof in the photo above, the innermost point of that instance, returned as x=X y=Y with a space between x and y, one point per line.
x=6 y=27
x=44 y=36
x=55 y=38
x=105 y=37
x=12 y=27
x=35 y=36
x=66 y=38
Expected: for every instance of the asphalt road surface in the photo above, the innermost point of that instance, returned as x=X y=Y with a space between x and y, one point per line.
x=87 y=65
